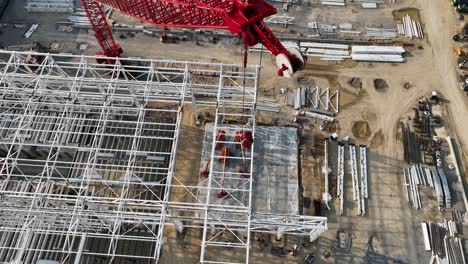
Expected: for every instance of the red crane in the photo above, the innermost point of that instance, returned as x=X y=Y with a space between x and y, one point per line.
x=244 y=19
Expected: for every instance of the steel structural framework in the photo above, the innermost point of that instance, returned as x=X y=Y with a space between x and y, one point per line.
x=88 y=156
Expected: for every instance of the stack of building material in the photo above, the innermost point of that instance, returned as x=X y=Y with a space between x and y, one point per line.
x=444 y=182
x=340 y=176
x=299 y=98
x=326 y=196
x=443 y=242
x=50 y=6
x=410 y=28
x=371 y=3
x=355 y=180
x=438 y=189
x=327 y=29
x=459 y=216
x=287 y=44
x=378 y=53
x=333 y=2
x=325 y=51
x=79 y=17
x=366 y=5
x=363 y=173
x=417 y=175
x=454 y=250
x=381 y=33
x=324 y=101
x=267 y=104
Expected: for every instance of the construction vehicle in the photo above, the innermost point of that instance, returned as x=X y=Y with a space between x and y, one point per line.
x=461 y=6
x=462 y=54
x=463 y=81
x=462 y=35
x=461 y=51
x=245 y=19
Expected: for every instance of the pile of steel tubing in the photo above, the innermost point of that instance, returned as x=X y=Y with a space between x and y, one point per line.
x=410 y=28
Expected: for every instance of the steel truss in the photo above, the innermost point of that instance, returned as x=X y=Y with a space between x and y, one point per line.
x=88 y=154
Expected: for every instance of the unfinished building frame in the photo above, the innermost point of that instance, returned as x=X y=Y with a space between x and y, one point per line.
x=88 y=154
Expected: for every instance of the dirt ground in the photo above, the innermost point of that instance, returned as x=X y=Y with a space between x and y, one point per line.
x=397 y=224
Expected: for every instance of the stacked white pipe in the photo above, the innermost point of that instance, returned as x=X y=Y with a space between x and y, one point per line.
x=333 y=2
x=325 y=51
x=378 y=53
x=410 y=28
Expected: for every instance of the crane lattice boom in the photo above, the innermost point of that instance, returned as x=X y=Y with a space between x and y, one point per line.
x=242 y=19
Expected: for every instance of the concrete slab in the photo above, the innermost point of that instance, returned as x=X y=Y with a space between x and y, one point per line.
x=275 y=172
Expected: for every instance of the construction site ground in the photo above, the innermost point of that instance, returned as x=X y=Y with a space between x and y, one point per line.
x=431 y=65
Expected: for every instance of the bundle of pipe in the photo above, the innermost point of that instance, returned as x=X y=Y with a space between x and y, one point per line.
x=381 y=33
x=50 y=6
x=325 y=51
x=413 y=182
x=333 y=2
x=444 y=182
x=378 y=53
x=410 y=28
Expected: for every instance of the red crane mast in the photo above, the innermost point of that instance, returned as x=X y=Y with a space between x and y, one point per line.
x=242 y=19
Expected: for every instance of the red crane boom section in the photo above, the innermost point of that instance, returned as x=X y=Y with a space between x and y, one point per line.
x=243 y=19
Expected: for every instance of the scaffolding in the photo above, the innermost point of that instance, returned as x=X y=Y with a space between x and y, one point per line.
x=88 y=155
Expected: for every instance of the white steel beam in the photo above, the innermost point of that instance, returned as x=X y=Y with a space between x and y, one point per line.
x=340 y=181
